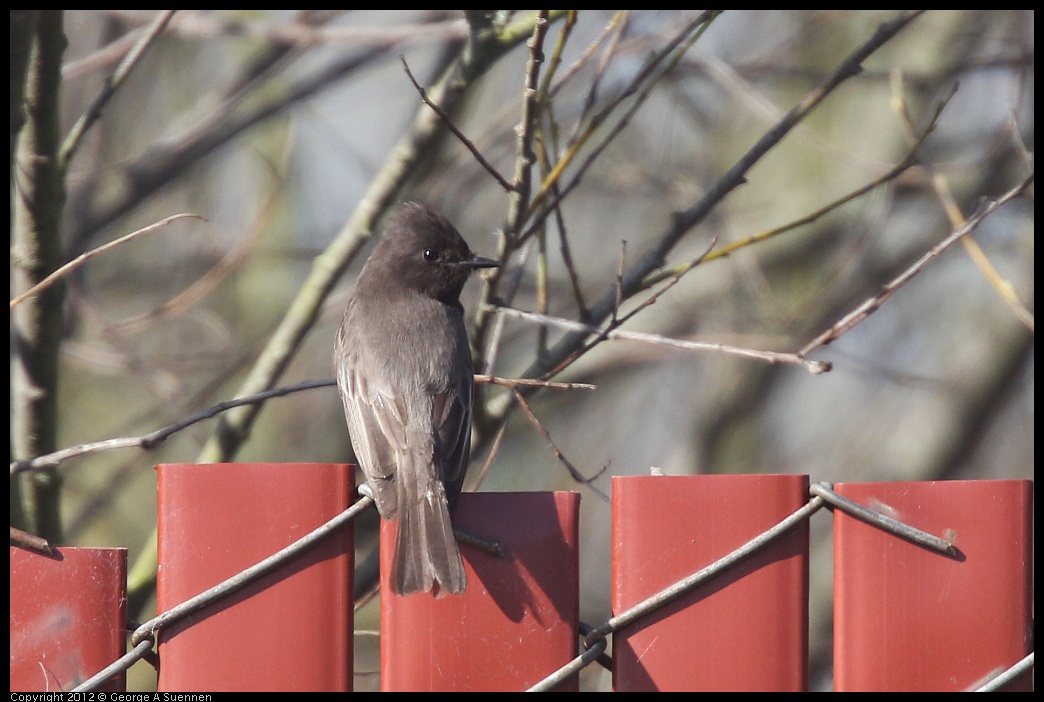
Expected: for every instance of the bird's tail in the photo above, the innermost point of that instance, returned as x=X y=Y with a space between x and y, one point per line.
x=426 y=551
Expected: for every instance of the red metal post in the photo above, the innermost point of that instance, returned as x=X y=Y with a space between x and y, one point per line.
x=907 y=618
x=68 y=617
x=290 y=630
x=517 y=621
x=745 y=630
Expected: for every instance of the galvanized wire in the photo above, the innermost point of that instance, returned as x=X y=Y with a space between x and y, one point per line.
x=882 y=521
x=996 y=683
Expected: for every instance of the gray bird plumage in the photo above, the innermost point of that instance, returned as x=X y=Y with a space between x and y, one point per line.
x=404 y=372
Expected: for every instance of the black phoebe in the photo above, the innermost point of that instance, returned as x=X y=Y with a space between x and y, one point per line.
x=405 y=375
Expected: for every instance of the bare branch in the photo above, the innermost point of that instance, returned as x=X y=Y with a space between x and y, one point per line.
x=531 y=382
x=773 y=357
x=525 y=158
x=112 y=84
x=869 y=306
x=617 y=322
x=453 y=128
x=475 y=477
x=155 y=438
x=577 y=475
x=205 y=25
x=84 y=257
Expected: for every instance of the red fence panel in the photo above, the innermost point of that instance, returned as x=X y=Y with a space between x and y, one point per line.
x=290 y=630
x=745 y=630
x=68 y=617
x=907 y=618
x=516 y=622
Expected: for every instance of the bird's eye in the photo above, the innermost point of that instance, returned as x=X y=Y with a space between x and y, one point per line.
x=431 y=255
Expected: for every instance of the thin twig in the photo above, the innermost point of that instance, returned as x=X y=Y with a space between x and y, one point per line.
x=567 y=259
x=676 y=277
x=617 y=322
x=619 y=282
x=84 y=257
x=453 y=128
x=870 y=305
x=564 y=34
x=573 y=471
x=942 y=189
x=112 y=83
x=475 y=477
x=154 y=438
x=814 y=367
x=531 y=382
x=494 y=338
x=1002 y=286
x=574 y=69
x=541 y=286
x=619 y=23
x=524 y=156
x=547 y=144
x=518 y=196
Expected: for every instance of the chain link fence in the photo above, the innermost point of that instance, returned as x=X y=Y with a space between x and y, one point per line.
x=595 y=639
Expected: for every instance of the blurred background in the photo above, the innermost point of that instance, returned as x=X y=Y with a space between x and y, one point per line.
x=290 y=132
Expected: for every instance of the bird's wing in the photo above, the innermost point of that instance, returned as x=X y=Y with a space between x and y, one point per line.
x=452 y=419
x=377 y=425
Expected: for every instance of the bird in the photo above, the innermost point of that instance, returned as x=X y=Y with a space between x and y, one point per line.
x=405 y=376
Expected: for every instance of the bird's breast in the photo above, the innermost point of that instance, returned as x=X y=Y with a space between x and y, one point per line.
x=416 y=343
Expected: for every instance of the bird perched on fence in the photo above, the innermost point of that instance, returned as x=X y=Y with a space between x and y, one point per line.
x=404 y=373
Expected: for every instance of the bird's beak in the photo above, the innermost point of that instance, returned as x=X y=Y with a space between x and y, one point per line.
x=479 y=262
